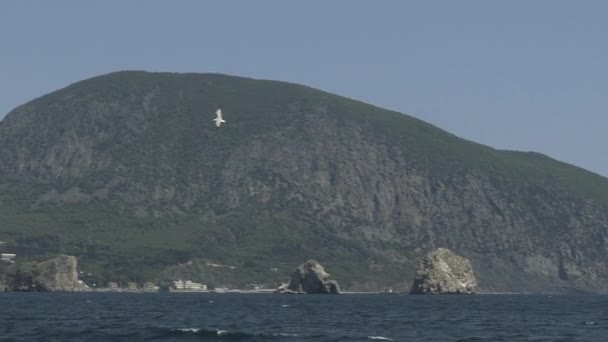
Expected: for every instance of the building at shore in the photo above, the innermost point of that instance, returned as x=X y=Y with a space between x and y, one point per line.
x=187 y=285
x=150 y=287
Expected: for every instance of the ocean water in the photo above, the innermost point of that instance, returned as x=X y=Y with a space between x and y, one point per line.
x=270 y=317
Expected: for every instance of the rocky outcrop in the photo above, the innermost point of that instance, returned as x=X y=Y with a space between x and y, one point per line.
x=3 y=282
x=284 y=288
x=443 y=272
x=58 y=274
x=311 y=278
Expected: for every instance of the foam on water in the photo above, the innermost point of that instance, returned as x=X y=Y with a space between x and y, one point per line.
x=224 y=334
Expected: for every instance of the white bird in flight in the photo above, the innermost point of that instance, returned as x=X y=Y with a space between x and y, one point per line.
x=218 y=120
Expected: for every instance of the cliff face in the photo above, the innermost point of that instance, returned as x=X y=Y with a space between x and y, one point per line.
x=3 y=281
x=366 y=190
x=310 y=277
x=294 y=173
x=57 y=274
x=443 y=272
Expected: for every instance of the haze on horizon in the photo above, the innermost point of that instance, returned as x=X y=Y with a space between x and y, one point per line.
x=518 y=75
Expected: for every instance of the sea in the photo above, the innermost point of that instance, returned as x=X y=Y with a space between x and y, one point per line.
x=272 y=317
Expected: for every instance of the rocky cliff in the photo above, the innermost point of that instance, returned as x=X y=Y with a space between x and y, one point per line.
x=128 y=172
x=311 y=278
x=3 y=276
x=59 y=274
x=441 y=271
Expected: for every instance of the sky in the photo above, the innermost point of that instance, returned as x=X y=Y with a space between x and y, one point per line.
x=518 y=75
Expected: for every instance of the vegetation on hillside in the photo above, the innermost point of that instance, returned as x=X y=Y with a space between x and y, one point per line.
x=127 y=172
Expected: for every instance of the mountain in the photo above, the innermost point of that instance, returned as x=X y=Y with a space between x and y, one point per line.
x=128 y=172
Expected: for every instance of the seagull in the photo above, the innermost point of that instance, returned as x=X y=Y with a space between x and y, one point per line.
x=218 y=120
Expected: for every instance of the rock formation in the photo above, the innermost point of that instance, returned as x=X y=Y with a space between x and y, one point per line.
x=443 y=272
x=284 y=288
x=3 y=284
x=311 y=278
x=58 y=274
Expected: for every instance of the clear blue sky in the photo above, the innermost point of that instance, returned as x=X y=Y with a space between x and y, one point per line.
x=524 y=75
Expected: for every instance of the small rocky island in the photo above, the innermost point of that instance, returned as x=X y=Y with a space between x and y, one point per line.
x=441 y=271
x=311 y=278
x=58 y=274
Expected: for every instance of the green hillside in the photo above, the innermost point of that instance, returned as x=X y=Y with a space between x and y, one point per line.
x=128 y=172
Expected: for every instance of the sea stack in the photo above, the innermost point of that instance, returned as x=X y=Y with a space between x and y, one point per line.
x=58 y=274
x=311 y=278
x=3 y=282
x=443 y=272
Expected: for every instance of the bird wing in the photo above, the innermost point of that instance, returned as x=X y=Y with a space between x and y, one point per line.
x=218 y=120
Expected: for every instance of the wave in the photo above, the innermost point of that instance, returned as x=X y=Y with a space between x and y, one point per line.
x=380 y=338
x=219 y=334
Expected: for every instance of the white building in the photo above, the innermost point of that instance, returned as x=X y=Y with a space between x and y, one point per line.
x=150 y=287
x=188 y=285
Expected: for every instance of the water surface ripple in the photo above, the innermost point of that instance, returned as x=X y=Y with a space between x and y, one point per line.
x=268 y=317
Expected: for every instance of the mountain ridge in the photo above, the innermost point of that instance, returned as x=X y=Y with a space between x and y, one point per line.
x=130 y=163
